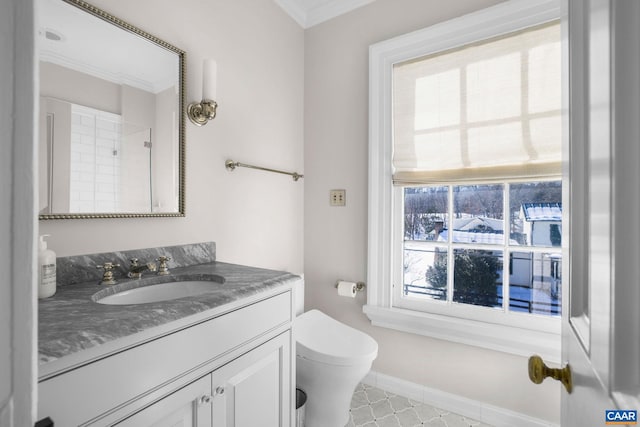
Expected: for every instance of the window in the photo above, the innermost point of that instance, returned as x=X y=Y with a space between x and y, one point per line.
x=456 y=239
x=465 y=193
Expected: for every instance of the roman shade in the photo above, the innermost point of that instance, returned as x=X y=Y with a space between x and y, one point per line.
x=486 y=111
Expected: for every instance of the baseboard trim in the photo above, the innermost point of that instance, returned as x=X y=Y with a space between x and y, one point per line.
x=488 y=414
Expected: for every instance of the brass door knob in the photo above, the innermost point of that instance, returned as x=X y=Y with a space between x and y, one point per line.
x=538 y=371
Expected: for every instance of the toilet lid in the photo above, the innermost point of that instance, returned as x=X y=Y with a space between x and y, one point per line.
x=323 y=339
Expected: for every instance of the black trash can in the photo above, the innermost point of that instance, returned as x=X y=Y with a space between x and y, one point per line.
x=301 y=400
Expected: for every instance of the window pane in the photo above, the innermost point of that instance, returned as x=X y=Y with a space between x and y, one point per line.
x=437 y=100
x=494 y=88
x=536 y=213
x=425 y=271
x=477 y=277
x=425 y=212
x=478 y=214
x=535 y=282
x=545 y=82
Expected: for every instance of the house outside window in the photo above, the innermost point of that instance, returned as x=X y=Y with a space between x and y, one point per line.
x=465 y=200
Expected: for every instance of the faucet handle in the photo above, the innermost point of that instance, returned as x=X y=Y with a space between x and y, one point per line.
x=163 y=269
x=133 y=262
x=108 y=266
x=107 y=276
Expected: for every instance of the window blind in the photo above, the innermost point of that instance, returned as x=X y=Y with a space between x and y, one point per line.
x=486 y=111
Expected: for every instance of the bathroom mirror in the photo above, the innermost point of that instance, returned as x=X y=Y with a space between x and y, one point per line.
x=111 y=117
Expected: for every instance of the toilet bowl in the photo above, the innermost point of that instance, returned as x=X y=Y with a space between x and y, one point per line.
x=331 y=359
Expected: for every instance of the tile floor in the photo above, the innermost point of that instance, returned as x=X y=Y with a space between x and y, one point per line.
x=372 y=407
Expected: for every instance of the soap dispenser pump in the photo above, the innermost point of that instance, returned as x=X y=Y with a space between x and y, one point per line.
x=46 y=269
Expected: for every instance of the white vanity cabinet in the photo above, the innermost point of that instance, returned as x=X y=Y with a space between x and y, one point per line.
x=188 y=407
x=246 y=392
x=233 y=370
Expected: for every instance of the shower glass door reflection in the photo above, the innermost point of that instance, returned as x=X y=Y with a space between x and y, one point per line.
x=95 y=162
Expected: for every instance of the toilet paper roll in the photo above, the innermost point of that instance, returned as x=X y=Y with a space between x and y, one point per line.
x=347 y=289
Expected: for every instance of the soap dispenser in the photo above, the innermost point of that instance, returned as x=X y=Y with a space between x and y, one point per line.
x=46 y=269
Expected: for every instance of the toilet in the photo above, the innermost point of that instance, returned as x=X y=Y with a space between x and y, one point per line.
x=331 y=360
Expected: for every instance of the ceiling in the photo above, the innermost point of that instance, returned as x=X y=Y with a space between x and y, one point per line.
x=308 y=13
x=63 y=40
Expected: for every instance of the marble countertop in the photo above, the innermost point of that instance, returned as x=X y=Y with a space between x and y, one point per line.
x=73 y=329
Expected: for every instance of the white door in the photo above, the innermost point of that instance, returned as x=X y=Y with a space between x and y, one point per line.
x=253 y=390
x=600 y=330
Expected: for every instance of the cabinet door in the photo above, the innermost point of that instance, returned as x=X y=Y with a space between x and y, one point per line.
x=255 y=389
x=190 y=406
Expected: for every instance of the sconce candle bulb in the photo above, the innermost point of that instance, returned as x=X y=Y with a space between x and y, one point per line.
x=201 y=112
x=209 y=79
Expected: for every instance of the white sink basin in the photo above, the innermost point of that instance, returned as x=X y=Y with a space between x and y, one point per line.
x=160 y=292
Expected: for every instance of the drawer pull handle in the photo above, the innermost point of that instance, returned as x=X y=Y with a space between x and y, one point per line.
x=219 y=391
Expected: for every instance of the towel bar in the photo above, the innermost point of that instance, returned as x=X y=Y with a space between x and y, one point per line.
x=231 y=165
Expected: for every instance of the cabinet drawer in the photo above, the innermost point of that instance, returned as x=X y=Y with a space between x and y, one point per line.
x=85 y=394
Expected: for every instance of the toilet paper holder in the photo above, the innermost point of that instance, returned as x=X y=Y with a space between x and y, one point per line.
x=359 y=285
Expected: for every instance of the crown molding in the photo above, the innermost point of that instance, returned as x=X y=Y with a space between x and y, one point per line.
x=295 y=10
x=307 y=16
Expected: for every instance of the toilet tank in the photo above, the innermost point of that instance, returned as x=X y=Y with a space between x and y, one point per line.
x=298 y=296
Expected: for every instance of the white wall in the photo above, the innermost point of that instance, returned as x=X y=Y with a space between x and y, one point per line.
x=336 y=111
x=79 y=88
x=254 y=217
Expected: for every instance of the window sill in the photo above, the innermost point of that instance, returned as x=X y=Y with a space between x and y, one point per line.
x=504 y=338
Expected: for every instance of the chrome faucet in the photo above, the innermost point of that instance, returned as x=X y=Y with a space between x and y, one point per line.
x=136 y=269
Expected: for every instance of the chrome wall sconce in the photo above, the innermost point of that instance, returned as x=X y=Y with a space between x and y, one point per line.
x=201 y=112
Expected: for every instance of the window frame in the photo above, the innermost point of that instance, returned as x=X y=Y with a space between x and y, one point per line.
x=471 y=325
